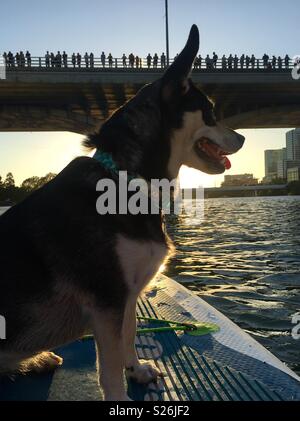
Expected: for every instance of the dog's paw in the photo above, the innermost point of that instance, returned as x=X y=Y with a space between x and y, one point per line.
x=43 y=362
x=51 y=361
x=144 y=373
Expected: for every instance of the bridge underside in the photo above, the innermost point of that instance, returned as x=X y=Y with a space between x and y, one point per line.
x=34 y=118
x=81 y=101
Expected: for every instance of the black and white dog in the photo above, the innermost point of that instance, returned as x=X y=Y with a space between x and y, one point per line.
x=65 y=270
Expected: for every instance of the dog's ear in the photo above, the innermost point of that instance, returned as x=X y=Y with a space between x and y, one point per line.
x=175 y=79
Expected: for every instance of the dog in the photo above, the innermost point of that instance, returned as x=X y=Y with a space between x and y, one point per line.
x=66 y=270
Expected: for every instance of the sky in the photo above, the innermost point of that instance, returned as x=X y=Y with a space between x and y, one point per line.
x=117 y=26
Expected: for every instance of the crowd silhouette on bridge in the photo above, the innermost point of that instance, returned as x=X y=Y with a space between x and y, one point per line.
x=242 y=62
x=76 y=60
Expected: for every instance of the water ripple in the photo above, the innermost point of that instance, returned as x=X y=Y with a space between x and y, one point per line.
x=244 y=259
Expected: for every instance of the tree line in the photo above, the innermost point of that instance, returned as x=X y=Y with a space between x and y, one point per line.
x=10 y=193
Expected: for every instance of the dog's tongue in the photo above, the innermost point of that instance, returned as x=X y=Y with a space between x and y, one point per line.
x=215 y=152
x=227 y=163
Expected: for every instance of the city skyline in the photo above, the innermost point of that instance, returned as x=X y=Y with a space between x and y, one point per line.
x=105 y=28
x=284 y=163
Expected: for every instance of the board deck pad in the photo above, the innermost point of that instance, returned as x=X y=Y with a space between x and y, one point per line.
x=227 y=365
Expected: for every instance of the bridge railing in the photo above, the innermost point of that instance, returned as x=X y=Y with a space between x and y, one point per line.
x=142 y=63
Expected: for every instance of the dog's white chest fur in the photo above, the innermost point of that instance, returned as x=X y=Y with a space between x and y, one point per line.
x=140 y=261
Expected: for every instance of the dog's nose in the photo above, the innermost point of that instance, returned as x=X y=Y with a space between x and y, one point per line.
x=241 y=139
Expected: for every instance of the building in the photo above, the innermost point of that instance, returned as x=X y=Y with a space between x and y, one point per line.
x=275 y=164
x=293 y=174
x=269 y=178
x=282 y=164
x=239 y=180
x=293 y=154
x=279 y=161
x=293 y=145
x=293 y=164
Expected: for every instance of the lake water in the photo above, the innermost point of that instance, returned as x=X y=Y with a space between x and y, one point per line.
x=244 y=259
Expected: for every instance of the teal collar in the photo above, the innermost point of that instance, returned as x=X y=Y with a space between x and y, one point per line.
x=107 y=162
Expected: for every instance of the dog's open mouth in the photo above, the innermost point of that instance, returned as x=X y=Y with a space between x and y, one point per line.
x=206 y=149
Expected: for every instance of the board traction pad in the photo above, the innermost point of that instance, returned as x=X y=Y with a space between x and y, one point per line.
x=194 y=368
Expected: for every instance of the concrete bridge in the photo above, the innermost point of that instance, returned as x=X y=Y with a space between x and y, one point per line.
x=256 y=187
x=249 y=190
x=79 y=99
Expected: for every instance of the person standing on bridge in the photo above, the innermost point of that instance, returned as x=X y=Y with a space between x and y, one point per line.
x=13 y=60
x=252 y=61
x=155 y=60
x=91 y=60
x=247 y=60
x=266 y=61
x=124 y=60
x=230 y=61
x=22 y=59
x=110 y=60
x=279 y=61
x=18 y=61
x=274 y=62
x=86 y=59
x=163 y=61
x=137 y=62
x=131 y=60
x=9 y=58
x=224 y=62
x=199 y=60
x=28 y=58
x=235 y=62
x=215 y=60
x=287 y=61
x=149 y=59
x=78 y=59
x=208 y=62
x=47 y=59
x=73 y=59
x=103 y=58
x=65 y=59
x=52 y=60
x=242 y=61
x=58 y=59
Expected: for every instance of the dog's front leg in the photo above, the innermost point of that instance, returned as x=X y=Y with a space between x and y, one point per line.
x=140 y=370
x=107 y=329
